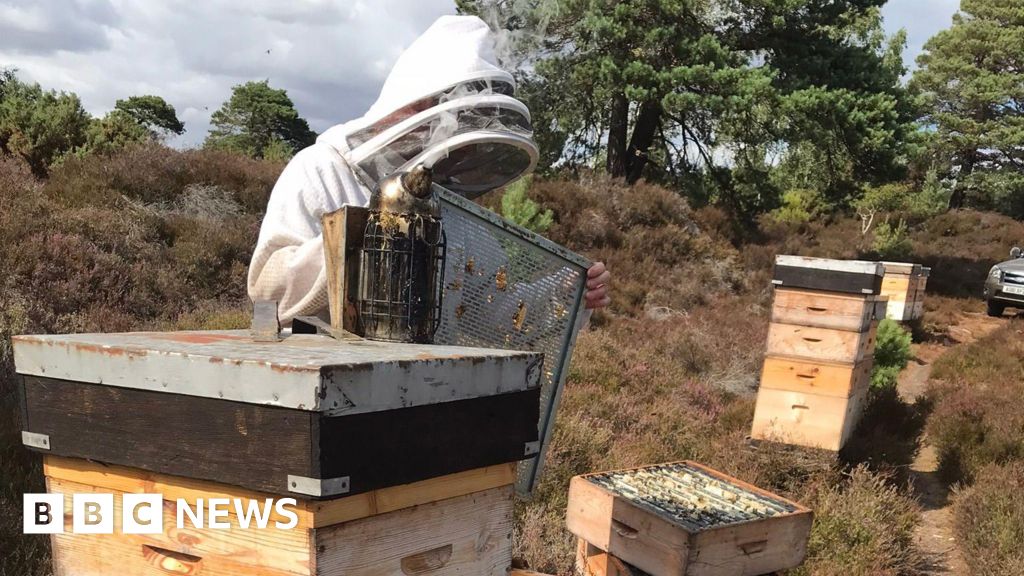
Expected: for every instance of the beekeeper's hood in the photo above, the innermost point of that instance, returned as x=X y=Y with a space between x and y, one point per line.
x=447 y=105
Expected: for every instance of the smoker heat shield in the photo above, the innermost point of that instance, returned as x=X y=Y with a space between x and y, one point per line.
x=506 y=287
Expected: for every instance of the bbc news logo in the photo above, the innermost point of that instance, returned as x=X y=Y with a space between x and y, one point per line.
x=144 y=513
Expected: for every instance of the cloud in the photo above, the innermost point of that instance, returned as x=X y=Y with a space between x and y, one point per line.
x=47 y=26
x=922 y=19
x=330 y=55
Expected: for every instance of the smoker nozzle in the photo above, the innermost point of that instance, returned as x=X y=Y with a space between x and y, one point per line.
x=417 y=181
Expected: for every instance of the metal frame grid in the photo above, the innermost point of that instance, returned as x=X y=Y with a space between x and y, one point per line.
x=509 y=288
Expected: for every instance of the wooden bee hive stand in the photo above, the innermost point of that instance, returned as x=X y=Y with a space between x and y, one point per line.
x=820 y=352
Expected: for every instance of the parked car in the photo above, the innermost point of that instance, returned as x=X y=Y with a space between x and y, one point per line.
x=1004 y=286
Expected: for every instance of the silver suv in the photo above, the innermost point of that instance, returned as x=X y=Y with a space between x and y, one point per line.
x=1005 y=284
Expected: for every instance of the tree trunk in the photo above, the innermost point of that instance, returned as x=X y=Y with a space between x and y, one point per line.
x=957 y=198
x=646 y=127
x=618 y=122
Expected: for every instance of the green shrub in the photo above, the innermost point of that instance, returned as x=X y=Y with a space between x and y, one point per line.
x=800 y=206
x=989 y=521
x=521 y=209
x=892 y=240
x=862 y=527
x=892 y=352
x=903 y=200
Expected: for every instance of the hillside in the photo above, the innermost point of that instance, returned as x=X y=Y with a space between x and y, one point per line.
x=157 y=238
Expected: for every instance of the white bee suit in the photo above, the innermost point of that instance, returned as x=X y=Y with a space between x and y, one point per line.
x=456 y=52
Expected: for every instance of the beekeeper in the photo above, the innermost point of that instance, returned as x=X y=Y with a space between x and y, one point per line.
x=446 y=105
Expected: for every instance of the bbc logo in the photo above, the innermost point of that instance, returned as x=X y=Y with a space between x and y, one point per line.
x=144 y=513
x=93 y=514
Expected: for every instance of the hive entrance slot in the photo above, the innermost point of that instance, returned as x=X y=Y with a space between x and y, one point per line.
x=170 y=561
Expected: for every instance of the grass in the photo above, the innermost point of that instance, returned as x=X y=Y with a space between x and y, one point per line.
x=989 y=521
x=863 y=526
x=978 y=397
x=151 y=238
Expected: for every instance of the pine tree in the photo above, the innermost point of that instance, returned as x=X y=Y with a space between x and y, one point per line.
x=971 y=81
x=254 y=118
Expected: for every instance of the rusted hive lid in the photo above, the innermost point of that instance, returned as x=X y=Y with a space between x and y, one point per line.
x=306 y=372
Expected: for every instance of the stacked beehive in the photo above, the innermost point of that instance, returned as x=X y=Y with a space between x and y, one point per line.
x=820 y=351
x=401 y=457
x=904 y=284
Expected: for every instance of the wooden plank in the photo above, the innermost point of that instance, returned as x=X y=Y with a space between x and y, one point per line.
x=470 y=534
x=619 y=527
x=312 y=514
x=592 y=561
x=819 y=343
x=812 y=420
x=752 y=548
x=333 y=226
x=136 y=481
x=812 y=377
x=421 y=442
x=898 y=310
x=896 y=287
x=385 y=500
x=236 y=443
x=822 y=309
x=263 y=552
x=343 y=234
x=901 y=268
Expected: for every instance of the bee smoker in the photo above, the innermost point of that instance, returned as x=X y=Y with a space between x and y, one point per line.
x=402 y=260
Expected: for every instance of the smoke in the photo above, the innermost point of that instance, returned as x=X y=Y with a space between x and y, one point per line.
x=520 y=29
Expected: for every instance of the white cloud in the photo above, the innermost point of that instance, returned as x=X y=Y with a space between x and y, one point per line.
x=921 y=19
x=331 y=55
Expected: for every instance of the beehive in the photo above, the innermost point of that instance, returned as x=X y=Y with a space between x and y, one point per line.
x=456 y=524
x=904 y=285
x=401 y=456
x=820 y=351
x=684 y=518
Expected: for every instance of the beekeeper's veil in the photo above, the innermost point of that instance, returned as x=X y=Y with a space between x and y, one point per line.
x=446 y=105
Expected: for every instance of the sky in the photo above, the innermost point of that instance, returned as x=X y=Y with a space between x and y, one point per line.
x=330 y=55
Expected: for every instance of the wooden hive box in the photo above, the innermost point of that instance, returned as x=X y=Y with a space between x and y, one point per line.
x=808 y=419
x=901 y=285
x=828 y=275
x=831 y=310
x=684 y=518
x=821 y=344
x=309 y=415
x=813 y=402
x=453 y=525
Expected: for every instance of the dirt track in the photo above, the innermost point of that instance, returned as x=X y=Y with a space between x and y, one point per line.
x=935 y=534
